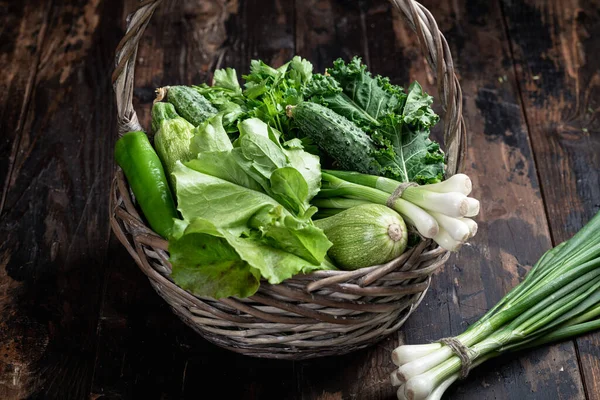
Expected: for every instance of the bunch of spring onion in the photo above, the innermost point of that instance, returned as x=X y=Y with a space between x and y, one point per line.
x=439 y=211
x=558 y=299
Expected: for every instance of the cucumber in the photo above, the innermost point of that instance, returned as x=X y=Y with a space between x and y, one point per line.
x=190 y=104
x=364 y=235
x=337 y=136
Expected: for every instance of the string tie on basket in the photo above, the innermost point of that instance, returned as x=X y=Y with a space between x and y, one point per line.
x=463 y=352
x=398 y=193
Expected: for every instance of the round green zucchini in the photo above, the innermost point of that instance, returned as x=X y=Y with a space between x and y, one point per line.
x=364 y=235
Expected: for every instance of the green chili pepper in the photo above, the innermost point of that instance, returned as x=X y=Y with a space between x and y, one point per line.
x=146 y=176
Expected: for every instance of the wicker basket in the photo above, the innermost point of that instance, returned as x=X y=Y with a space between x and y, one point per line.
x=326 y=312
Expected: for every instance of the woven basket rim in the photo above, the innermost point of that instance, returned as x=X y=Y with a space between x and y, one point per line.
x=342 y=300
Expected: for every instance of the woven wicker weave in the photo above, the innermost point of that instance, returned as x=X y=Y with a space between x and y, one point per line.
x=326 y=312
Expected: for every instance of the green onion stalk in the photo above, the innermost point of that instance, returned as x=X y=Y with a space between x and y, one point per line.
x=440 y=211
x=558 y=299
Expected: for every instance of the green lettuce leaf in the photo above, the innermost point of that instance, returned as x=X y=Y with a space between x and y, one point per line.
x=239 y=210
x=210 y=261
x=289 y=187
x=223 y=164
x=215 y=156
x=211 y=136
x=308 y=165
x=221 y=202
x=275 y=265
x=257 y=155
x=205 y=264
x=282 y=231
x=232 y=235
x=259 y=152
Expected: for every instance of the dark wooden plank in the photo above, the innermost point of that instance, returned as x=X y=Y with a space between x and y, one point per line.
x=260 y=30
x=555 y=47
x=329 y=29
x=24 y=26
x=144 y=350
x=54 y=229
x=513 y=231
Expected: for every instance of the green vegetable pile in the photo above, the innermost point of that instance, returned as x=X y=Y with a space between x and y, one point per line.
x=233 y=179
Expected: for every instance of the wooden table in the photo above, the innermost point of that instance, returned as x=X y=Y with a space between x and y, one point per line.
x=79 y=320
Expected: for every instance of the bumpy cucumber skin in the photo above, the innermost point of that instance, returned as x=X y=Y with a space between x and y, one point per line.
x=337 y=136
x=190 y=104
x=360 y=236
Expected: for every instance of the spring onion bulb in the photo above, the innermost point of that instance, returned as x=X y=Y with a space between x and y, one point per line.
x=415 y=216
x=460 y=183
x=558 y=299
x=423 y=364
x=400 y=393
x=456 y=228
x=473 y=207
x=472 y=226
x=438 y=392
x=445 y=240
x=407 y=353
x=419 y=387
x=453 y=204
x=395 y=380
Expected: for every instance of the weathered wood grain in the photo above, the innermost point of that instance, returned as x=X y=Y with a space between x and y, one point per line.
x=23 y=30
x=262 y=29
x=329 y=29
x=24 y=25
x=144 y=350
x=54 y=227
x=513 y=231
x=555 y=47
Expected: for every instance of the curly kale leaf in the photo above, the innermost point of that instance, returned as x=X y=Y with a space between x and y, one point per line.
x=399 y=123
x=375 y=95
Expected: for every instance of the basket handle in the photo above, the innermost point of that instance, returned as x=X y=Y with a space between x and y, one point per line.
x=433 y=45
x=437 y=52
